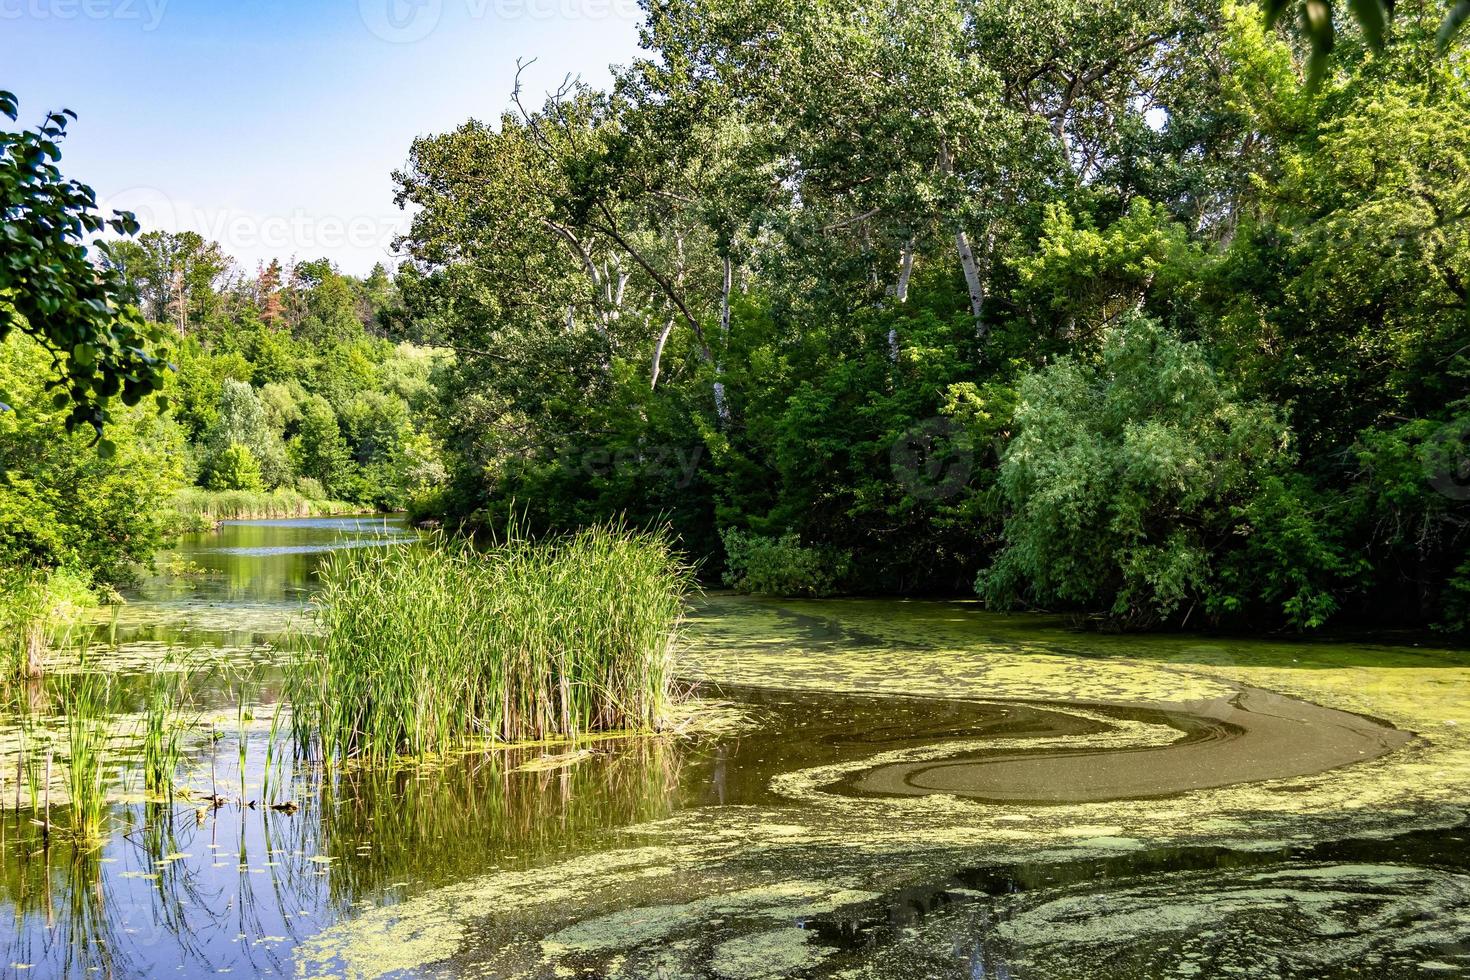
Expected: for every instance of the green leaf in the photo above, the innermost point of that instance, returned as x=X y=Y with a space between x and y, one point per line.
x=1317 y=22
x=1274 y=9
x=1373 y=19
x=1453 y=21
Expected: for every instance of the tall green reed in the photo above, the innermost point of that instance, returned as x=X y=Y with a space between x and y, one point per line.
x=162 y=730
x=427 y=648
x=88 y=754
x=243 y=716
x=271 y=774
x=197 y=506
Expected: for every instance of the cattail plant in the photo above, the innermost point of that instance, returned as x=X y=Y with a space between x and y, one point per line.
x=87 y=755
x=425 y=649
x=162 y=732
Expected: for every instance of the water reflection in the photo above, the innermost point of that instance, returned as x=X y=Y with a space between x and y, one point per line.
x=191 y=888
x=204 y=889
x=246 y=566
x=236 y=887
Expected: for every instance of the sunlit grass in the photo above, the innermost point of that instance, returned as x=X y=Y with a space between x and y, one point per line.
x=199 y=507
x=427 y=648
x=39 y=611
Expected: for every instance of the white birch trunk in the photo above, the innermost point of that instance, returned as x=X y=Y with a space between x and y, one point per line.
x=905 y=272
x=658 y=352
x=725 y=299
x=967 y=254
x=901 y=294
x=972 y=279
x=722 y=408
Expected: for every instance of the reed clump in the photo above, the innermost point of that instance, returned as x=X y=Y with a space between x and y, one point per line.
x=89 y=755
x=427 y=648
x=39 y=611
x=162 y=731
x=199 y=508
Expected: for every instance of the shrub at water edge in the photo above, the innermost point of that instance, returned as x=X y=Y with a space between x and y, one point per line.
x=200 y=509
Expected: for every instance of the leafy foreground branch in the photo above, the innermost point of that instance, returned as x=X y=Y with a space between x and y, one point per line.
x=426 y=649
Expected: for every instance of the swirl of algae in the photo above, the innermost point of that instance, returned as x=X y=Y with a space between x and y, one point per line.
x=1252 y=736
x=1325 y=919
x=498 y=925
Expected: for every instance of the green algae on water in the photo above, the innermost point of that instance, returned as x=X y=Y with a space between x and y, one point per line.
x=679 y=867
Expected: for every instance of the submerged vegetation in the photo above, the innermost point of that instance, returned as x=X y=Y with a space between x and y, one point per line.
x=425 y=649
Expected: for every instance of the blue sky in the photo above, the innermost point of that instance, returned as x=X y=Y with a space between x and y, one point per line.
x=273 y=126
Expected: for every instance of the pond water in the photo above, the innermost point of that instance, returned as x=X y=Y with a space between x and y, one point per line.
x=902 y=789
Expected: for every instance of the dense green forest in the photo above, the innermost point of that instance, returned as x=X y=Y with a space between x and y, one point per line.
x=287 y=379
x=1092 y=307
x=1096 y=308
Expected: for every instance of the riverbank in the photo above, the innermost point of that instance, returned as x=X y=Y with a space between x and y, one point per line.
x=198 y=509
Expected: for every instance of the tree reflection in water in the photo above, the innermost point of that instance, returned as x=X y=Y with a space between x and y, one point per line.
x=197 y=887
